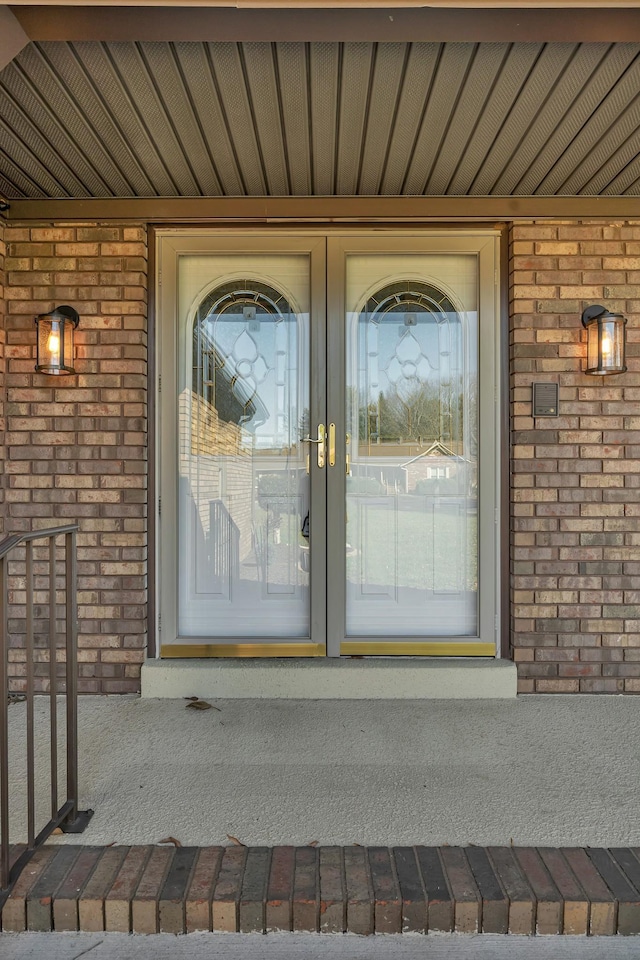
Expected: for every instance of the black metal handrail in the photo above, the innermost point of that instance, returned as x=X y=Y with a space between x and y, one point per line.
x=67 y=816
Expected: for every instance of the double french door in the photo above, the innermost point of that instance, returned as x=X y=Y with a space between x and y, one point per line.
x=327 y=453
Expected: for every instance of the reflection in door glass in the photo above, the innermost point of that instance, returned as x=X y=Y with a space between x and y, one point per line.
x=243 y=525
x=412 y=487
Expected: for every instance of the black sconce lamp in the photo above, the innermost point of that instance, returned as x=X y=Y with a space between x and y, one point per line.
x=605 y=340
x=54 y=340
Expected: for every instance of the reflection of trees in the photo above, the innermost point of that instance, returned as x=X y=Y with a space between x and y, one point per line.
x=275 y=495
x=422 y=413
x=412 y=415
x=471 y=399
x=304 y=423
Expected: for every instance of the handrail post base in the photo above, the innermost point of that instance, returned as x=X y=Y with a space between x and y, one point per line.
x=79 y=825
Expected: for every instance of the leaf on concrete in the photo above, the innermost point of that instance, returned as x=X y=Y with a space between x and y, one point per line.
x=235 y=840
x=313 y=843
x=191 y=698
x=201 y=705
x=172 y=840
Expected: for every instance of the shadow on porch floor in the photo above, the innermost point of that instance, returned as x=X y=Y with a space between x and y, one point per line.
x=533 y=771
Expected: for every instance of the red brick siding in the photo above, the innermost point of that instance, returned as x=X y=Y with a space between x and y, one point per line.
x=76 y=448
x=2 y=385
x=575 y=502
x=77 y=445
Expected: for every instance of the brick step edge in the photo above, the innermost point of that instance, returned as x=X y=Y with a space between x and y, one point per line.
x=353 y=889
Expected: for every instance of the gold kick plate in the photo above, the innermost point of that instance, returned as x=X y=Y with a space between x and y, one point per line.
x=417 y=649
x=266 y=649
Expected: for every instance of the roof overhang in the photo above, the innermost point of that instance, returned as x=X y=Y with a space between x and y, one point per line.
x=186 y=113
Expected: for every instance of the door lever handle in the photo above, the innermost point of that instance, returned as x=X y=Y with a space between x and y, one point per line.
x=320 y=440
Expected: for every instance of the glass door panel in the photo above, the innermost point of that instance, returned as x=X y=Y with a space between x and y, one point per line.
x=244 y=486
x=246 y=473
x=412 y=419
x=382 y=538
x=409 y=493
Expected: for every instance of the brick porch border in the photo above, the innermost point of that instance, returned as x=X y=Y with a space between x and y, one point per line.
x=363 y=890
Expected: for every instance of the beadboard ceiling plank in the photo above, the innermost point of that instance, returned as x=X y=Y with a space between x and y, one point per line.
x=207 y=119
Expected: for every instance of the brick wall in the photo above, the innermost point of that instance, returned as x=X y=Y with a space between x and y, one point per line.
x=576 y=479
x=76 y=448
x=76 y=445
x=2 y=385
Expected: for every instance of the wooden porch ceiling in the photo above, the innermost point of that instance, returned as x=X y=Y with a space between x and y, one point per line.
x=156 y=119
x=91 y=119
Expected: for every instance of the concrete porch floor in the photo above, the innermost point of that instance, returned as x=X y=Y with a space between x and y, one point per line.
x=536 y=771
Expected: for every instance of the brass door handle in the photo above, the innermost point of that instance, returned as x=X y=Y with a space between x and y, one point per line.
x=320 y=440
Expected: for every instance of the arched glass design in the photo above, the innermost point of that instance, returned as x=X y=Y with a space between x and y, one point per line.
x=412 y=557
x=412 y=335
x=244 y=479
x=233 y=353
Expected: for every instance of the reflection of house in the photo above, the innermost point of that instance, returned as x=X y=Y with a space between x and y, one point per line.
x=437 y=463
x=438 y=470
x=214 y=417
x=219 y=472
x=219 y=413
x=226 y=398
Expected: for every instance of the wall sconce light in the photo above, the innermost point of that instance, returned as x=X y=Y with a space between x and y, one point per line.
x=54 y=340
x=605 y=340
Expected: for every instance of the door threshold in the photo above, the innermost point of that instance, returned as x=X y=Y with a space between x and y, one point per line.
x=331 y=679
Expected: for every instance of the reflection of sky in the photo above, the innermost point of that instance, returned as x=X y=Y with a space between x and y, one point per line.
x=263 y=355
x=393 y=355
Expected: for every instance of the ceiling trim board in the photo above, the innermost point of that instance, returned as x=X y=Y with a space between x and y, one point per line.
x=111 y=22
x=328 y=209
x=13 y=36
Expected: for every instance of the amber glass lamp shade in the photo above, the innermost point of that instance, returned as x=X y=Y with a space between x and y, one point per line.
x=54 y=340
x=605 y=340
